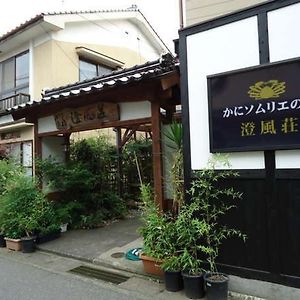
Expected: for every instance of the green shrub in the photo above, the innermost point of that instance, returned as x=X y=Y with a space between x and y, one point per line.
x=8 y=170
x=213 y=203
x=87 y=184
x=24 y=209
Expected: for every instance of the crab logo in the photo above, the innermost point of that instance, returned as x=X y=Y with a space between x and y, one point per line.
x=266 y=89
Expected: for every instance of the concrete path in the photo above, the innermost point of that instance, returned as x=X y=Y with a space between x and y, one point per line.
x=90 y=244
x=98 y=246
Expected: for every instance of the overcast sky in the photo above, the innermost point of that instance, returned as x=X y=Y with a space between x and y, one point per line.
x=162 y=14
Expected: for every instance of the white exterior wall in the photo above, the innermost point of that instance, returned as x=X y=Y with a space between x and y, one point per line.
x=135 y=110
x=284 y=44
x=120 y=33
x=52 y=147
x=221 y=49
x=46 y=124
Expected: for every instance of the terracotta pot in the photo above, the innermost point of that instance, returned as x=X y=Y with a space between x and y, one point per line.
x=13 y=244
x=152 y=265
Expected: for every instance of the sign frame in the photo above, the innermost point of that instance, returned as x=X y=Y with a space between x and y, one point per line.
x=214 y=149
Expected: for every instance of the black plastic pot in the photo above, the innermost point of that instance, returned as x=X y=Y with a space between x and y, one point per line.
x=28 y=244
x=216 y=285
x=43 y=238
x=173 y=281
x=2 y=241
x=193 y=285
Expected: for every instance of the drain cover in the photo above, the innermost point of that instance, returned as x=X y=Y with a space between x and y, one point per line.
x=100 y=274
x=118 y=255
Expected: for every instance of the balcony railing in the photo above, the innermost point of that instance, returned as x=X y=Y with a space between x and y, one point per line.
x=14 y=100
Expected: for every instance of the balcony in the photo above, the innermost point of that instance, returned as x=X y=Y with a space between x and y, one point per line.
x=14 y=100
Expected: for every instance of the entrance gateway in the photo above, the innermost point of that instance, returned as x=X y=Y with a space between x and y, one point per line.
x=128 y=100
x=241 y=95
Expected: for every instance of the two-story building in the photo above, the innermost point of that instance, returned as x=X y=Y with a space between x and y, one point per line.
x=54 y=49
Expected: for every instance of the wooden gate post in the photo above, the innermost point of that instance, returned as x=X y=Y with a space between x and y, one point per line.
x=156 y=155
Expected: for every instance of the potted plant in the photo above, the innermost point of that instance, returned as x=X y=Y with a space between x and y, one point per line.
x=8 y=171
x=48 y=233
x=152 y=232
x=13 y=236
x=63 y=214
x=24 y=209
x=191 y=231
x=213 y=204
x=172 y=273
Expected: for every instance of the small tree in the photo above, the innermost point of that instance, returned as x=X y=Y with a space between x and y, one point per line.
x=213 y=205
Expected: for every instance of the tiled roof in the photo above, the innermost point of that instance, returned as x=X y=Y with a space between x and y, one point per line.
x=137 y=73
x=40 y=17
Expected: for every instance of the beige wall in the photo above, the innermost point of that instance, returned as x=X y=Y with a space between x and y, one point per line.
x=26 y=134
x=202 y=10
x=56 y=63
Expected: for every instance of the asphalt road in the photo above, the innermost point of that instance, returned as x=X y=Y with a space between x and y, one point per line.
x=22 y=281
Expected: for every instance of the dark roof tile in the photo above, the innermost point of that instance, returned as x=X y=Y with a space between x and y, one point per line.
x=148 y=70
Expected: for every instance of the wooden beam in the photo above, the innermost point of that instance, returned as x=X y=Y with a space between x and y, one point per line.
x=157 y=155
x=99 y=126
x=129 y=132
x=169 y=81
x=138 y=91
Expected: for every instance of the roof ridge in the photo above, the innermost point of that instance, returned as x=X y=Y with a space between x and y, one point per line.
x=68 y=12
x=41 y=15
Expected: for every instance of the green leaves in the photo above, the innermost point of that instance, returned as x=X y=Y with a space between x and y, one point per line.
x=24 y=208
x=174 y=135
x=213 y=203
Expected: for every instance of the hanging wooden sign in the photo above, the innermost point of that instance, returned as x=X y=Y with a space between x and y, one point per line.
x=78 y=117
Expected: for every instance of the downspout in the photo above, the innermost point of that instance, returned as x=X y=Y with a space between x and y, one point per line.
x=181 y=22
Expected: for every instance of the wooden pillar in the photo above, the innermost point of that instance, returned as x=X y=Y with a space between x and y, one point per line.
x=37 y=154
x=119 y=163
x=67 y=146
x=37 y=144
x=157 y=155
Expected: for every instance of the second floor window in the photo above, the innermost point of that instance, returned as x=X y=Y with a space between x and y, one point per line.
x=14 y=75
x=88 y=70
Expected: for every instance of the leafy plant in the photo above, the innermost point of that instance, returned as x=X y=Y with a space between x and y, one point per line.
x=174 y=136
x=86 y=184
x=154 y=224
x=8 y=171
x=190 y=231
x=24 y=208
x=136 y=151
x=172 y=263
x=159 y=232
x=52 y=228
x=212 y=203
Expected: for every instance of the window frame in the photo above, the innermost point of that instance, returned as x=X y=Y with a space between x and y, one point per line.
x=89 y=61
x=20 y=158
x=13 y=91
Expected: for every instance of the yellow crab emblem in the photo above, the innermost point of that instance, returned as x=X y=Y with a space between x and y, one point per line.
x=266 y=89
